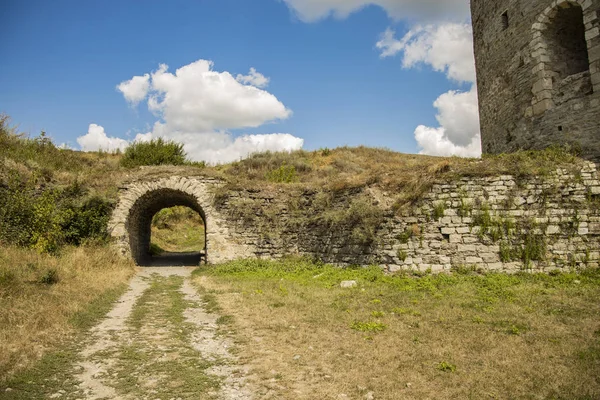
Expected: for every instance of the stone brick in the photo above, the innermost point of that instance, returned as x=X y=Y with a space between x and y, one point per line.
x=228 y=237
x=514 y=64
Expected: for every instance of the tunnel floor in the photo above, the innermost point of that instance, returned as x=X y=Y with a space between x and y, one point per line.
x=173 y=260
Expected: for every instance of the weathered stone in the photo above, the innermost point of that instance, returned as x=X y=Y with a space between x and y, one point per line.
x=435 y=245
x=538 y=87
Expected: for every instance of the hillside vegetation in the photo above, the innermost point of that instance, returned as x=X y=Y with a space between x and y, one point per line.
x=57 y=275
x=57 y=197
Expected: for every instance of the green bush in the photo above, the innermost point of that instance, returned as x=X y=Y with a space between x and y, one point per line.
x=50 y=277
x=87 y=221
x=283 y=174
x=155 y=152
x=46 y=218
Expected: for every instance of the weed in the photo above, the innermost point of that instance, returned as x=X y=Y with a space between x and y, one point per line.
x=464 y=269
x=534 y=248
x=446 y=367
x=225 y=320
x=406 y=311
x=418 y=311
x=438 y=210
x=514 y=330
x=466 y=207
x=405 y=236
x=7 y=277
x=368 y=326
x=506 y=253
x=325 y=152
x=401 y=254
x=50 y=277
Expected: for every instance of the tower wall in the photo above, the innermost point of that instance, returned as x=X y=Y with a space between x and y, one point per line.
x=538 y=74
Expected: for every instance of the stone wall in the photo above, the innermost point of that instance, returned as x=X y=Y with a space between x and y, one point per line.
x=502 y=223
x=139 y=201
x=535 y=85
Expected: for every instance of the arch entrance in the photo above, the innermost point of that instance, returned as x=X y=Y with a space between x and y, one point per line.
x=139 y=201
x=561 y=47
x=139 y=227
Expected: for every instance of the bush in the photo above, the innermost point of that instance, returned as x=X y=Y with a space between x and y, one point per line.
x=154 y=152
x=283 y=174
x=50 y=277
x=46 y=218
x=87 y=221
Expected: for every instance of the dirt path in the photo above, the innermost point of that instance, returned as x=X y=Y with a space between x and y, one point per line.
x=158 y=342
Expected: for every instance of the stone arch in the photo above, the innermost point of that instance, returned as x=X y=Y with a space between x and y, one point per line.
x=139 y=201
x=575 y=38
x=140 y=218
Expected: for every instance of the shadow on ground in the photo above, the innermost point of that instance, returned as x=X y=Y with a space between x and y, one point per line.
x=173 y=260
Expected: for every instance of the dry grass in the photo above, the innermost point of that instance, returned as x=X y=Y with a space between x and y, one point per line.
x=401 y=177
x=460 y=336
x=45 y=298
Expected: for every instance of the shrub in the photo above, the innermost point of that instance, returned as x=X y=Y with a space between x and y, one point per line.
x=446 y=366
x=155 y=152
x=45 y=218
x=361 y=218
x=283 y=174
x=87 y=221
x=50 y=277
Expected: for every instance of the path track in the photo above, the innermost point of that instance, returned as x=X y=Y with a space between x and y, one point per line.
x=159 y=342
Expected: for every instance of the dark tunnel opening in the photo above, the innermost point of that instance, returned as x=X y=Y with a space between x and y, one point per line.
x=139 y=228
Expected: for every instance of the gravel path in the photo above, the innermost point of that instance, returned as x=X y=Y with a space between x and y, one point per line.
x=159 y=342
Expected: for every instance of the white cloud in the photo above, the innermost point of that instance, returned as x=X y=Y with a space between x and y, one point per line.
x=143 y=137
x=96 y=139
x=65 y=146
x=135 y=89
x=447 y=48
x=423 y=10
x=196 y=106
x=198 y=99
x=222 y=147
x=458 y=114
x=434 y=142
x=458 y=133
x=253 y=78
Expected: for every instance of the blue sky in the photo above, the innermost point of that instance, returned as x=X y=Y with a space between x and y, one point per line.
x=345 y=81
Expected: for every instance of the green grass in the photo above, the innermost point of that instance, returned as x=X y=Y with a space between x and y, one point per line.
x=177 y=229
x=459 y=335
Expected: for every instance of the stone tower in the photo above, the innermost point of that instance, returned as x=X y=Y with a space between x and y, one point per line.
x=538 y=74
